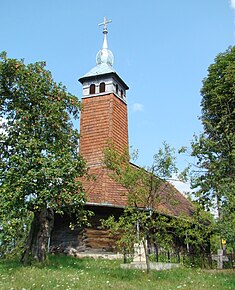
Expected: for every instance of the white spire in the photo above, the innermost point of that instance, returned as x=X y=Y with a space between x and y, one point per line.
x=105 y=55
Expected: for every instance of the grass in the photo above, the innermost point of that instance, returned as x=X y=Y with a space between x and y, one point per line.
x=71 y=273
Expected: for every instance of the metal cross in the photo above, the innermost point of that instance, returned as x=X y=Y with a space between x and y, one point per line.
x=105 y=23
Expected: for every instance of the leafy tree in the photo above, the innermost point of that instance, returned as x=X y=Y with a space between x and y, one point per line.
x=39 y=159
x=140 y=221
x=196 y=230
x=214 y=178
x=13 y=233
x=143 y=188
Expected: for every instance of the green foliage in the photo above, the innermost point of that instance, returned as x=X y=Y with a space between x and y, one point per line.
x=218 y=97
x=140 y=220
x=39 y=159
x=164 y=162
x=142 y=184
x=214 y=177
x=13 y=234
x=196 y=230
x=136 y=225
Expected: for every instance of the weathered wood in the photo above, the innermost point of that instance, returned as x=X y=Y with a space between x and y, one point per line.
x=220 y=258
x=83 y=239
x=40 y=232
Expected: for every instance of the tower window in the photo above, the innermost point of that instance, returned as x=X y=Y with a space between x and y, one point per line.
x=116 y=88
x=102 y=87
x=92 y=89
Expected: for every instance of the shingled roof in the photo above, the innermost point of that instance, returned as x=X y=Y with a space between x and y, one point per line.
x=101 y=189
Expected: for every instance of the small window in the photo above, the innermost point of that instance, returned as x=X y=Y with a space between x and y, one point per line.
x=92 y=89
x=116 y=88
x=102 y=87
x=122 y=93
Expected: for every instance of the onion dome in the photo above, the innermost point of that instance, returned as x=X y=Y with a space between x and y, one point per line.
x=105 y=56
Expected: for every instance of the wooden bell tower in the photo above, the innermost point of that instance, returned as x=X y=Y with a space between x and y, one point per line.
x=104 y=108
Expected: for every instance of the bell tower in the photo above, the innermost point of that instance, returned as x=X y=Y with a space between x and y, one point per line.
x=104 y=108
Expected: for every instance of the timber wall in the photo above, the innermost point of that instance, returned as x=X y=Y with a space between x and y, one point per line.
x=93 y=239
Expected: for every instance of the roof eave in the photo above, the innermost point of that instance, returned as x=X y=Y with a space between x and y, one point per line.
x=100 y=76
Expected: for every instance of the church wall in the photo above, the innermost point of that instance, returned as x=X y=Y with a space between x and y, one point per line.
x=103 y=118
x=120 y=124
x=95 y=127
x=65 y=239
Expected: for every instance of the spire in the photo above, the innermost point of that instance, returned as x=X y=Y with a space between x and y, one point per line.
x=105 y=55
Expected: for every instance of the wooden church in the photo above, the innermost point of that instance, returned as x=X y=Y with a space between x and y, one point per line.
x=103 y=119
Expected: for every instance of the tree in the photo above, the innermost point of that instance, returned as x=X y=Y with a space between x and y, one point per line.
x=196 y=230
x=140 y=221
x=39 y=159
x=214 y=178
x=141 y=183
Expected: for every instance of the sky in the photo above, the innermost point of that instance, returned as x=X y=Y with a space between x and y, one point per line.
x=162 y=50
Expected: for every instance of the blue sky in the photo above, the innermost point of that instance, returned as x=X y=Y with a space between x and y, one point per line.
x=162 y=50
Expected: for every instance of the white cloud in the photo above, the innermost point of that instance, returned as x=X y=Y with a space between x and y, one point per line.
x=136 y=107
x=232 y=3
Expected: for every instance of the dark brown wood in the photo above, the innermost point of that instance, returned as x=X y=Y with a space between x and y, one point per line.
x=87 y=239
x=37 y=243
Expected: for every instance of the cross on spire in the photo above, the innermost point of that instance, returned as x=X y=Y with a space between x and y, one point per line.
x=105 y=24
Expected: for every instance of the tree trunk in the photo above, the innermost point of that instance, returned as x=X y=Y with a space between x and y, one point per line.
x=156 y=252
x=203 y=260
x=37 y=243
x=125 y=256
x=168 y=256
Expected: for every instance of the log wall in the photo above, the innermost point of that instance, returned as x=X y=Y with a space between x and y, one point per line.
x=83 y=239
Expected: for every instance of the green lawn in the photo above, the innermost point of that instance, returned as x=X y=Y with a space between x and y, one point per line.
x=72 y=273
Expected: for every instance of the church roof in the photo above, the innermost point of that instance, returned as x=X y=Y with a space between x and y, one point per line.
x=99 y=69
x=105 y=191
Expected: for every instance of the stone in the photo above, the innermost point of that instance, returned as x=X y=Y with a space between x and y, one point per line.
x=139 y=253
x=158 y=266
